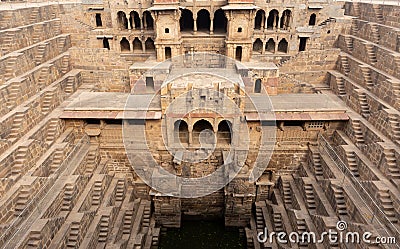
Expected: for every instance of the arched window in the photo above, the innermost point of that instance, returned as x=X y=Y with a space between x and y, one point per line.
x=134 y=18
x=148 y=21
x=125 y=45
x=283 y=46
x=168 y=53
x=203 y=133
x=220 y=21
x=286 y=19
x=137 y=46
x=313 y=19
x=149 y=45
x=257 y=45
x=99 y=23
x=270 y=46
x=203 y=20
x=257 y=86
x=259 y=21
x=224 y=135
x=186 y=21
x=122 y=21
x=181 y=132
x=273 y=19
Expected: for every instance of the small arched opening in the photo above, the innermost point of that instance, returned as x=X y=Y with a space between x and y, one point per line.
x=273 y=19
x=181 y=132
x=286 y=19
x=122 y=20
x=220 y=21
x=283 y=46
x=270 y=46
x=149 y=45
x=148 y=22
x=238 y=53
x=259 y=21
x=313 y=19
x=224 y=135
x=137 y=46
x=203 y=133
x=106 y=44
x=203 y=20
x=125 y=47
x=257 y=45
x=99 y=22
x=134 y=19
x=186 y=21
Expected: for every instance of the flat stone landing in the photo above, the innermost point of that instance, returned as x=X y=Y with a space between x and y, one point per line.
x=110 y=105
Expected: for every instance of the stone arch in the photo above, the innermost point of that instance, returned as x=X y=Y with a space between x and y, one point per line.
x=199 y=128
x=125 y=46
x=122 y=20
x=148 y=22
x=313 y=19
x=259 y=20
x=137 y=46
x=186 y=22
x=283 y=46
x=149 y=45
x=134 y=19
x=224 y=134
x=257 y=45
x=270 y=45
x=203 y=20
x=286 y=19
x=220 y=21
x=181 y=132
x=273 y=19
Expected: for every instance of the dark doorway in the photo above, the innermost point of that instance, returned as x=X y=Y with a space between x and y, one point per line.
x=125 y=47
x=257 y=86
x=181 y=131
x=186 y=21
x=168 y=53
x=203 y=133
x=313 y=19
x=273 y=19
x=137 y=46
x=257 y=45
x=224 y=134
x=303 y=44
x=106 y=44
x=99 y=23
x=238 y=55
x=220 y=21
x=259 y=21
x=148 y=21
x=122 y=21
x=270 y=46
x=150 y=83
x=203 y=20
x=283 y=46
x=285 y=20
x=134 y=18
x=149 y=45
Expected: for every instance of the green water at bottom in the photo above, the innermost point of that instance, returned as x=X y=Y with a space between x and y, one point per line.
x=202 y=235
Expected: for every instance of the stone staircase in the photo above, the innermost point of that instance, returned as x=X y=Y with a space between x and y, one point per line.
x=70 y=86
x=19 y=160
x=7 y=43
x=394 y=121
x=40 y=53
x=73 y=236
x=349 y=43
x=278 y=223
x=61 y=43
x=375 y=33
x=120 y=191
x=317 y=164
x=43 y=76
x=10 y=68
x=352 y=163
x=378 y=13
x=345 y=64
x=340 y=86
x=16 y=126
x=326 y=21
x=37 y=33
x=34 y=15
x=146 y=216
x=370 y=49
x=69 y=191
x=47 y=102
x=341 y=208
x=362 y=98
x=354 y=27
x=387 y=205
x=127 y=223
x=65 y=64
x=22 y=201
x=392 y=165
x=56 y=160
x=260 y=223
x=366 y=71
x=97 y=192
x=309 y=194
x=52 y=131
x=6 y=19
x=104 y=223
x=91 y=161
x=358 y=133
x=15 y=91
x=356 y=8
x=287 y=194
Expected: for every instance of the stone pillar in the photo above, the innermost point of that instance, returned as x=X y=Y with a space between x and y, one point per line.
x=190 y=129
x=263 y=22
x=263 y=47
x=194 y=24
x=143 y=46
x=274 y=23
x=130 y=23
x=141 y=22
x=212 y=25
x=144 y=21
